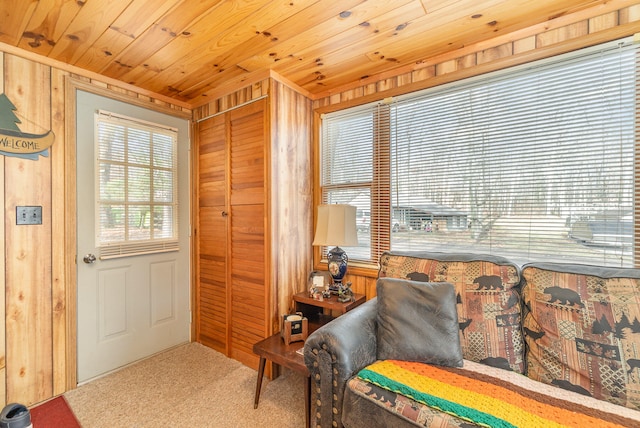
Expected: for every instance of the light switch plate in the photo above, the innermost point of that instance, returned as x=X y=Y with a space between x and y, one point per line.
x=28 y=215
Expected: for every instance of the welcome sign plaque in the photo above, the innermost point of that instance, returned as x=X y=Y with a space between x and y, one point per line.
x=14 y=142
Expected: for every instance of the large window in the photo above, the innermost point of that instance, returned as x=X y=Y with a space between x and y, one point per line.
x=136 y=194
x=534 y=163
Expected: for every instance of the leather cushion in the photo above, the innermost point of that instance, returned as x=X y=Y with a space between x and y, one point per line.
x=418 y=321
x=488 y=298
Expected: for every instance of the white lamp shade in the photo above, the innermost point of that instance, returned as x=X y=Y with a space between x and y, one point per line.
x=336 y=225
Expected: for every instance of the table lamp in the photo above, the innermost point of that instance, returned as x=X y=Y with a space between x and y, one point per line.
x=336 y=226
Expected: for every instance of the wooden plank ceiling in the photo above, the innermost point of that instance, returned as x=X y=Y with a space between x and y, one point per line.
x=187 y=49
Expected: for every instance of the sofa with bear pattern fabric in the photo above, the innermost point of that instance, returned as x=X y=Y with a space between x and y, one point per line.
x=482 y=341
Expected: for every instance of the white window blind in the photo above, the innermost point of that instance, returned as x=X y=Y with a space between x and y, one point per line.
x=355 y=148
x=532 y=163
x=136 y=192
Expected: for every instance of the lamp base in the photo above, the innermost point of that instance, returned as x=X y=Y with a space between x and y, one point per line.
x=337 y=261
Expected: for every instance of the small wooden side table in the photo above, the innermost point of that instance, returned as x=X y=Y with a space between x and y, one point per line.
x=274 y=349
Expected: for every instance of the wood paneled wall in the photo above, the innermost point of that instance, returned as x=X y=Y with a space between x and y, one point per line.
x=292 y=186
x=563 y=34
x=28 y=271
x=37 y=360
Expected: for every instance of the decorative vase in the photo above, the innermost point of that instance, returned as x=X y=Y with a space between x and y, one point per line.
x=337 y=261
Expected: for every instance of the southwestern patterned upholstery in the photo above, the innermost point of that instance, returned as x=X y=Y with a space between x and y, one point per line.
x=582 y=329
x=487 y=292
x=572 y=329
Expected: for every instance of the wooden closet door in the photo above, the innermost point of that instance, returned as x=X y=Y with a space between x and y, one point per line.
x=212 y=295
x=248 y=231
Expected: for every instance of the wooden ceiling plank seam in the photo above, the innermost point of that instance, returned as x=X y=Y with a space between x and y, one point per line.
x=185 y=58
x=357 y=17
x=47 y=25
x=421 y=29
x=14 y=18
x=382 y=27
x=205 y=60
x=177 y=51
x=272 y=39
x=315 y=59
x=339 y=78
x=504 y=25
x=342 y=58
x=515 y=36
x=134 y=20
x=351 y=69
x=100 y=54
x=433 y=5
x=234 y=76
x=332 y=16
x=385 y=27
x=88 y=25
x=357 y=21
x=212 y=81
x=173 y=24
x=423 y=3
x=140 y=15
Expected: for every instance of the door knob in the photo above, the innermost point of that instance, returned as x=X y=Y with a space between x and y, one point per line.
x=89 y=258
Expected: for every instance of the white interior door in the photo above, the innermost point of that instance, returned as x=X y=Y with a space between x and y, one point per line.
x=135 y=306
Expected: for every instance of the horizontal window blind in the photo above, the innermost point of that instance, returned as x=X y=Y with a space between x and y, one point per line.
x=347 y=170
x=354 y=152
x=532 y=163
x=136 y=194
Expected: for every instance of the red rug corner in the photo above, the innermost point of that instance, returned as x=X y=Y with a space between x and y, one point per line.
x=54 y=413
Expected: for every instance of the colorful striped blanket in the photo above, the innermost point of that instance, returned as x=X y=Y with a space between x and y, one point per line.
x=484 y=400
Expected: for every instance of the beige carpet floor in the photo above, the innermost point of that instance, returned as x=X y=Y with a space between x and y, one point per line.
x=188 y=386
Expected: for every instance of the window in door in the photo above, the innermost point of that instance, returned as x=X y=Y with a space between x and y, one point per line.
x=136 y=191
